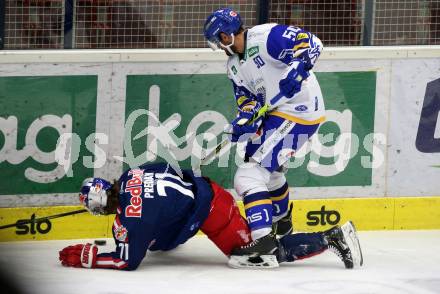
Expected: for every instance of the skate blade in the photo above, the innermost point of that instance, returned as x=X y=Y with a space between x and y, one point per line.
x=258 y=262
x=350 y=235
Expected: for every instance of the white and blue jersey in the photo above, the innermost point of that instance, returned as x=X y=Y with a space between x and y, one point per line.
x=271 y=52
x=255 y=74
x=158 y=211
x=269 y=49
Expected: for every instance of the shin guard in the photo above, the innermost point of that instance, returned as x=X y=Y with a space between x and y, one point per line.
x=302 y=245
x=258 y=208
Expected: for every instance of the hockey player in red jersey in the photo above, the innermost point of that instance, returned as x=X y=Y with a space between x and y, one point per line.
x=156 y=209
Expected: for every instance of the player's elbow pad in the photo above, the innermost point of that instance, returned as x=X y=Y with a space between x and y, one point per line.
x=314 y=52
x=317 y=43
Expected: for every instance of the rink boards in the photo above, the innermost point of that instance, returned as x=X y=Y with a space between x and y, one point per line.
x=409 y=213
x=68 y=115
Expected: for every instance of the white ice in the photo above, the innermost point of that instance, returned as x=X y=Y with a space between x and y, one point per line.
x=394 y=262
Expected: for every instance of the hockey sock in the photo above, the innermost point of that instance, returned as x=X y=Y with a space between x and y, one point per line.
x=302 y=245
x=258 y=208
x=280 y=201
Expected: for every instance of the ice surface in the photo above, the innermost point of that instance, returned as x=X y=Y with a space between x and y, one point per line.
x=394 y=262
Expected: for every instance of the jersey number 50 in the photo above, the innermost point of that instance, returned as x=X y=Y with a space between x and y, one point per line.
x=290 y=32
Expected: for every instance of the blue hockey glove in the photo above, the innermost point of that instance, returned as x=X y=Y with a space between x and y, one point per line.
x=305 y=58
x=291 y=84
x=241 y=132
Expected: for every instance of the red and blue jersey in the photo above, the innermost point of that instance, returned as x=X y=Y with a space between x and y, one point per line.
x=158 y=210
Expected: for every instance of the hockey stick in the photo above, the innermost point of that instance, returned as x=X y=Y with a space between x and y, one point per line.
x=25 y=222
x=225 y=142
x=274 y=102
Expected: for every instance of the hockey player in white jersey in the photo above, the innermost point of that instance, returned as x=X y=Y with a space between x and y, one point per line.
x=267 y=61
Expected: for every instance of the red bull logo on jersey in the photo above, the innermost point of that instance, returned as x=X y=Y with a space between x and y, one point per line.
x=121 y=233
x=134 y=187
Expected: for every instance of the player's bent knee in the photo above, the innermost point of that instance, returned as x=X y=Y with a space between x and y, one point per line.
x=277 y=180
x=251 y=178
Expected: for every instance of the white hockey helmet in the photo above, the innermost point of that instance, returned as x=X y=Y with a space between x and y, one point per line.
x=93 y=195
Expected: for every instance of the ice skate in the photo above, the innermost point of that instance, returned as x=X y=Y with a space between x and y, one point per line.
x=344 y=243
x=260 y=253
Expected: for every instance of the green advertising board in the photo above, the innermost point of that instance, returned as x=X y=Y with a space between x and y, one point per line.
x=34 y=111
x=188 y=96
x=201 y=101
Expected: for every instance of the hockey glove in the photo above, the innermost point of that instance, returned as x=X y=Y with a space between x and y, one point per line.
x=305 y=58
x=242 y=131
x=291 y=83
x=79 y=255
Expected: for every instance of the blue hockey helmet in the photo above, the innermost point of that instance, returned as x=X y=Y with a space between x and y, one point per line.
x=93 y=194
x=223 y=20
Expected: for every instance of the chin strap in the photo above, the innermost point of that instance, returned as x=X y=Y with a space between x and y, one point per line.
x=228 y=47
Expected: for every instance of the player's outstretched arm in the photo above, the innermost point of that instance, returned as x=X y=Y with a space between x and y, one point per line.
x=86 y=256
x=113 y=260
x=79 y=255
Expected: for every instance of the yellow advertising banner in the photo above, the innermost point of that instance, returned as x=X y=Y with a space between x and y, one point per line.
x=406 y=213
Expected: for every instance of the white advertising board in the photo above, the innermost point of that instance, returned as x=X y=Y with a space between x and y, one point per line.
x=414 y=133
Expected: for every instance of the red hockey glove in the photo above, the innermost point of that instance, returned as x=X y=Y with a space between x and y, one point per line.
x=79 y=255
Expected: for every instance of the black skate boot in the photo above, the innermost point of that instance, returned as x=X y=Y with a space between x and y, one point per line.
x=284 y=226
x=338 y=245
x=261 y=253
x=267 y=245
